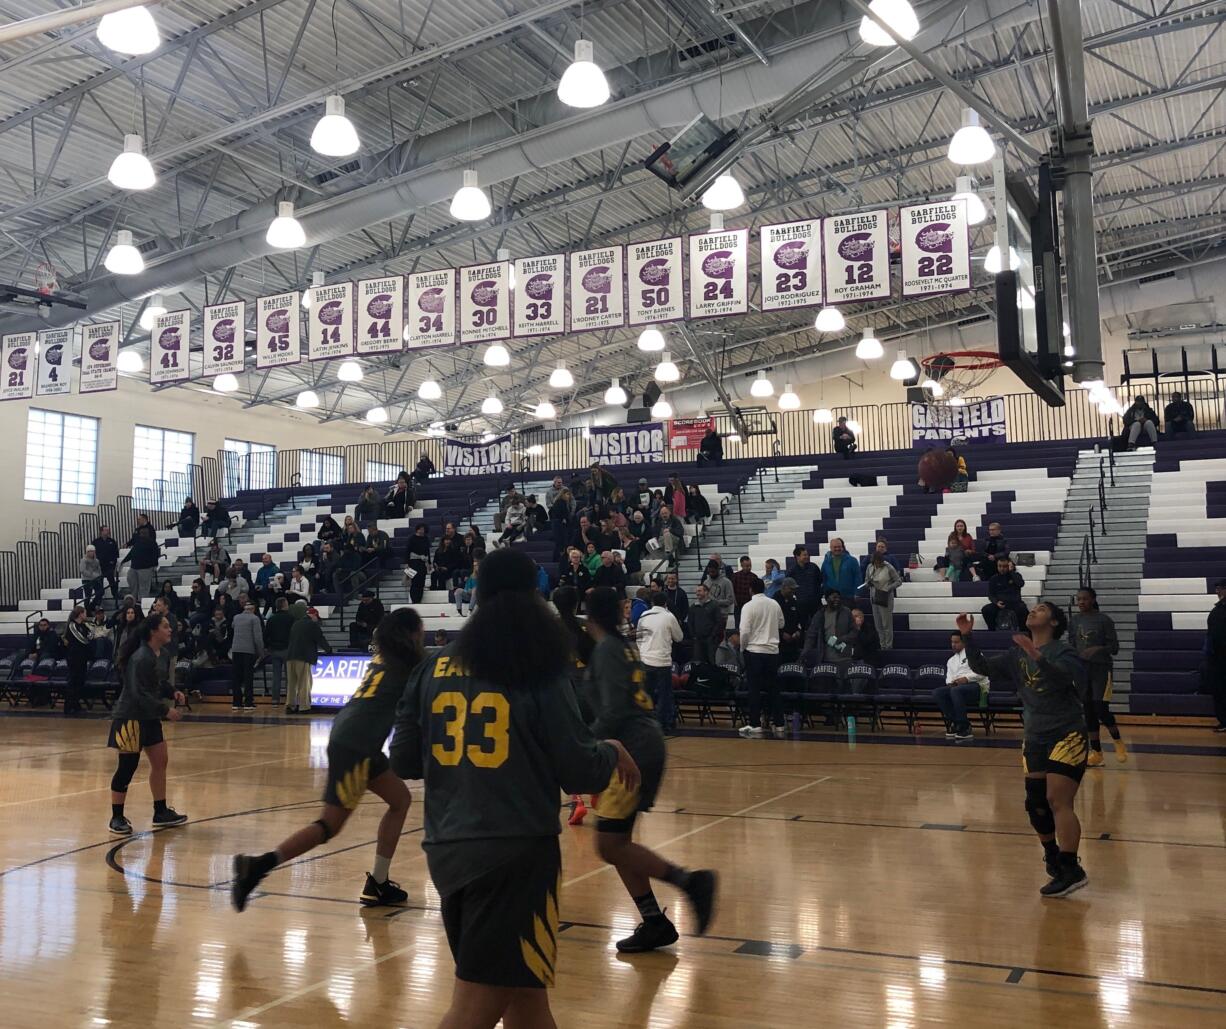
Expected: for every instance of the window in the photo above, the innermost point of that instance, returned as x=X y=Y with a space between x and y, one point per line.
x=377 y=471
x=322 y=469
x=61 y=458
x=161 y=468
x=249 y=466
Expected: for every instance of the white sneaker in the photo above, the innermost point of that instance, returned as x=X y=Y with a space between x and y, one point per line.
x=751 y=732
x=780 y=732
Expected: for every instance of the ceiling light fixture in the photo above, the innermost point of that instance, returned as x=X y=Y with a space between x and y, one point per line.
x=430 y=390
x=349 y=371
x=123 y=258
x=377 y=415
x=615 y=394
x=583 y=83
x=131 y=168
x=226 y=382
x=724 y=194
x=317 y=279
x=854 y=426
x=830 y=319
x=496 y=356
x=652 y=340
x=976 y=212
x=285 y=231
x=661 y=408
x=545 y=411
x=666 y=371
x=306 y=400
x=823 y=416
x=898 y=14
x=129 y=361
x=957 y=402
x=788 y=400
x=154 y=309
x=491 y=404
x=762 y=387
x=971 y=143
x=504 y=255
x=869 y=348
x=992 y=264
x=933 y=387
x=334 y=134
x=903 y=368
x=560 y=377
x=131 y=31
x=470 y=204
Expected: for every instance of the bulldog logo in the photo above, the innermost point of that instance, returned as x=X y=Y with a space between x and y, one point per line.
x=793 y=254
x=540 y=287
x=332 y=313
x=857 y=247
x=223 y=331
x=17 y=358
x=718 y=265
x=277 y=321
x=380 y=306
x=655 y=272
x=432 y=301
x=485 y=294
x=100 y=349
x=168 y=339
x=598 y=280
x=935 y=238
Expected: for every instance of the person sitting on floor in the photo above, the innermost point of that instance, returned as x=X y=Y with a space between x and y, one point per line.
x=1179 y=416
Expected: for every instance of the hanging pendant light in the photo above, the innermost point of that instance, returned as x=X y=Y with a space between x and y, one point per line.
x=154 y=309
x=377 y=415
x=430 y=390
x=129 y=361
x=491 y=404
x=823 y=416
x=504 y=255
x=957 y=402
x=545 y=411
x=971 y=144
x=724 y=194
x=976 y=212
x=788 y=400
x=854 y=426
x=615 y=394
x=903 y=368
x=226 y=382
x=436 y=429
x=666 y=371
x=992 y=264
x=560 y=377
x=285 y=231
x=496 y=356
x=661 y=408
x=470 y=204
x=830 y=319
x=317 y=279
x=652 y=340
x=869 y=348
x=583 y=83
x=306 y=400
x=132 y=31
x=334 y=134
x=349 y=371
x=932 y=386
x=123 y=258
x=762 y=387
x=898 y=14
x=131 y=169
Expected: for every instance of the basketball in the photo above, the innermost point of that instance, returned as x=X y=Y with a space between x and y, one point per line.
x=937 y=469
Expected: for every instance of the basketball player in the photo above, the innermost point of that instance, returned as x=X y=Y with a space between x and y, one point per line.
x=1093 y=634
x=491 y=724
x=356 y=763
x=625 y=710
x=566 y=601
x=136 y=722
x=1050 y=681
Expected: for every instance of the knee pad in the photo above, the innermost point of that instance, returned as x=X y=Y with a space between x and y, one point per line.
x=124 y=772
x=323 y=828
x=1036 y=807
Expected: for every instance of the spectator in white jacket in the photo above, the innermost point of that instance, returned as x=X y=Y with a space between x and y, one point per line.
x=658 y=630
x=761 y=620
x=961 y=692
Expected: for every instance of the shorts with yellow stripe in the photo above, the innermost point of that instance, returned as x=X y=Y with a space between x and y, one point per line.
x=503 y=926
x=131 y=735
x=1064 y=756
x=617 y=807
x=349 y=773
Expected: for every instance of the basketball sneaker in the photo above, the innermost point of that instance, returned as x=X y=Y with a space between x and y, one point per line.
x=1095 y=759
x=780 y=732
x=248 y=874
x=964 y=736
x=751 y=732
x=701 y=892
x=379 y=894
x=1121 y=751
x=578 y=811
x=167 y=817
x=120 y=826
x=651 y=934
x=1072 y=877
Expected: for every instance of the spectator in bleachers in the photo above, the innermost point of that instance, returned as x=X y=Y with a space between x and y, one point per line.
x=602 y=482
x=1215 y=654
x=829 y=635
x=671 y=534
x=657 y=631
x=378 y=547
x=760 y=623
x=1093 y=635
x=348 y=575
x=955 y=565
x=511 y=496
x=217 y=639
x=728 y=654
x=561 y=511
x=90 y=570
x=675 y=598
x=227 y=605
x=330 y=565
x=585 y=532
x=299 y=585
x=514 y=521
x=639 y=526
x=792 y=635
x=144 y=528
x=232 y=586
x=465 y=591
x=216 y=519
x=696 y=506
x=994 y=547
x=656 y=502
x=882 y=580
x=576 y=574
x=399 y=500
x=351 y=536
x=840 y=571
x=772 y=577
x=365 y=620
x=246 y=648
x=844 y=439
x=128 y=623
x=142 y=560
x=369 y=505
x=189 y=519
x=865 y=643
x=808 y=578
x=101 y=636
x=264 y=577
x=276 y=639
x=215 y=561
x=175 y=605
x=1179 y=416
x=447 y=560
x=677 y=497
x=79 y=648
x=711 y=449
x=720 y=586
x=1005 y=595
x=642 y=496
x=640 y=603
x=1140 y=417
x=199 y=604
x=706 y=624
x=424 y=469
x=882 y=547
x=306 y=562
x=107 y=550
x=329 y=531
x=609 y=574
x=743 y=580
x=536 y=518
x=591 y=558
x=633 y=559
x=962 y=691
x=555 y=490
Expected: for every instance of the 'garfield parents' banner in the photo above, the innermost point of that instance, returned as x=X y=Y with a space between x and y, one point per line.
x=485 y=302
x=627 y=444
x=278 y=332
x=19 y=366
x=719 y=273
x=597 y=289
x=654 y=281
x=100 y=357
x=540 y=296
x=169 y=347
x=791 y=265
x=380 y=320
x=431 y=309
x=492 y=458
x=55 y=347
x=980 y=422
x=857 y=257
x=936 y=249
x=225 y=337
x=330 y=332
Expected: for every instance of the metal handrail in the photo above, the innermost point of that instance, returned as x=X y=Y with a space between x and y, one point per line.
x=1084 y=575
x=1093 y=546
x=724 y=505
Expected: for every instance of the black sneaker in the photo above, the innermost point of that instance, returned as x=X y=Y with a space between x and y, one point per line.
x=701 y=892
x=167 y=817
x=950 y=734
x=651 y=934
x=1071 y=878
x=379 y=894
x=964 y=736
x=120 y=826
x=247 y=876
x=1052 y=864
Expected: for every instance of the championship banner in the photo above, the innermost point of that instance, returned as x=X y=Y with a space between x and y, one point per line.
x=654 y=282
x=485 y=302
x=856 y=249
x=627 y=444
x=791 y=265
x=597 y=289
x=540 y=296
x=936 y=249
x=330 y=328
x=431 y=309
x=380 y=315
x=169 y=347
x=278 y=333
x=982 y=421
x=492 y=458
x=687 y=433
x=719 y=273
x=19 y=366
x=55 y=362
x=225 y=337
x=100 y=357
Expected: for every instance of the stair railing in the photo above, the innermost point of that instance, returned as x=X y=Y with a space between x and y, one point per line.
x=1084 y=563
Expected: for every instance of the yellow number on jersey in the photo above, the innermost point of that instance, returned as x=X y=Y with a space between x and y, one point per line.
x=457 y=704
x=497 y=731
x=369 y=685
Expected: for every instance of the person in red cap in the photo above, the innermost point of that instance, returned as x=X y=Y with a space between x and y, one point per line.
x=306 y=640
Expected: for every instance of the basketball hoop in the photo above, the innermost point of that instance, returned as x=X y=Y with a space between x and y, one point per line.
x=958 y=372
x=45 y=279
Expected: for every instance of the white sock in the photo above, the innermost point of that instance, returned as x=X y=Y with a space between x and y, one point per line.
x=382 y=866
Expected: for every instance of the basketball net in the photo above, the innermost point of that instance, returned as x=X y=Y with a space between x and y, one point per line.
x=958 y=373
x=45 y=279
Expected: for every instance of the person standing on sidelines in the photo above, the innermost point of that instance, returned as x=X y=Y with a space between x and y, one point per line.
x=356 y=763
x=624 y=711
x=136 y=723
x=761 y=621
x=306 y=640
x=658 y=630
x=246 y=648
x=1093 y=634
x=491 y=724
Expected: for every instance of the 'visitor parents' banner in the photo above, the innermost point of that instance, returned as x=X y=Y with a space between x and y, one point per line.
x=627 y=444
x=492 y=458
x=980 y=422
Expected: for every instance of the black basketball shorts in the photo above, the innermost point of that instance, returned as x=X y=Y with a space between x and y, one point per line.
x=130 y=735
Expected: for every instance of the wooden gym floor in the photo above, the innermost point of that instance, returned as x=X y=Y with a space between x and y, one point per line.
x=890 y=884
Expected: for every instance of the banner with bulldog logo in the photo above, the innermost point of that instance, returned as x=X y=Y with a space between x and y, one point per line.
x=169 y=347
x=791 y=265
x=225 y=338
x=597 y=293
x=540 y=295
x=431 y=309
x=18 y=356
x=100 y=357
x=330 y=324
x=380 y=320
x=485 y=302
x=936 y=249
x=278 y=333
x=719 y=273
x=55 y=347
x=856 y=248
x=654 y=281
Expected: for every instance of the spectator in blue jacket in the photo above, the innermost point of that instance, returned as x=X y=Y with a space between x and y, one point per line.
x=840 y=570
x=773 y=577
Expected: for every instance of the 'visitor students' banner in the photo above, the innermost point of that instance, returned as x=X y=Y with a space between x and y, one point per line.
x=169 y=347
x=719 y=273
x=857 y=257
x=278 y=330
x=687 y=433
x=431 y=309
x=597 y=293
x=330 y=322
x=627 y=444
x=100 y=357
x=225 y=337
x=936 y=249
x=55 y=362
x=492 y=458
x=654 y=281
x=980 y=422
x=791 y=265
x=18 y=350
x=540 y=296
x=380 y=318
x=485 y=302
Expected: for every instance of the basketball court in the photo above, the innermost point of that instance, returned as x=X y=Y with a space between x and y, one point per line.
x=890 y=882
